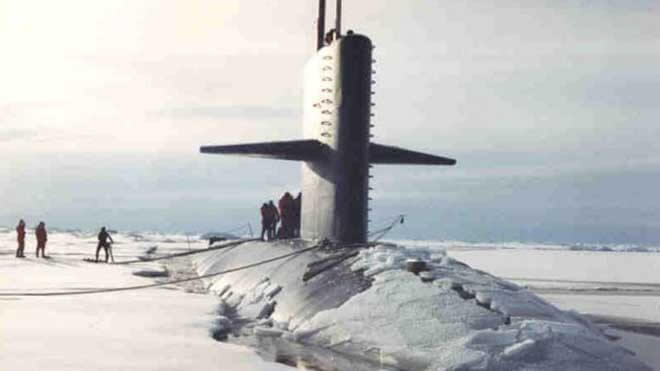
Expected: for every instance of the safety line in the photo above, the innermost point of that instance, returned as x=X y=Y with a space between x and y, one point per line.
x=138 y=287
x=239 y=228
x=170 y=256
x=383 y=231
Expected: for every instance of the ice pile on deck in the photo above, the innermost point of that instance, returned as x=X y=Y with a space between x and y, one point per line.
x=450 y=317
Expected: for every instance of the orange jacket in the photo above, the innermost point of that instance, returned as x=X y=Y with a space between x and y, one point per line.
x=286 y=205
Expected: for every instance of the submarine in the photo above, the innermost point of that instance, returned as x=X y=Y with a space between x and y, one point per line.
x=339 y=301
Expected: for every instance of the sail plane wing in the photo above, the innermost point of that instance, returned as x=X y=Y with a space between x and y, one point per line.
x=294 y=150
x=313 y=150
x=382 y=154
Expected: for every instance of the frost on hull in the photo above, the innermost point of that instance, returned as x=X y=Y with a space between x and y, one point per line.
x=369 y=308
x=279 y=282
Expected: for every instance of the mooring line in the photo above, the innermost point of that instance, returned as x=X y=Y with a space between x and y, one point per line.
x=138 y=287
x=383 y=231
x=171 y=256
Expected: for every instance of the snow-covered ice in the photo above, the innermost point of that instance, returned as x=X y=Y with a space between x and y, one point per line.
x=152 y=329
x=619 y=289
x=367 y=310
x=463 y=245
x=452 y=317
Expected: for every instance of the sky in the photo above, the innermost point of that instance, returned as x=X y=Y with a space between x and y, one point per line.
x=550 y=108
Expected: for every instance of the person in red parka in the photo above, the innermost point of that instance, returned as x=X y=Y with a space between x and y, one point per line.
x=20 y=238
x=42 y=237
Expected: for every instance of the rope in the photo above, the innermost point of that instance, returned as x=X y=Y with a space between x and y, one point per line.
x=170 y=256
x=383 y=231
x=240 y=228
x=334 y=261
x=138 y=287
x=386 y=220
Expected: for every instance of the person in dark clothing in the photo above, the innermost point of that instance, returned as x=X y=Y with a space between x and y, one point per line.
x=42 y=237
x=20 y=238
x=272 y=228
x=266 y=221
x=103 y=238
x=286 y=213
x=297 y=206
x=330 y=36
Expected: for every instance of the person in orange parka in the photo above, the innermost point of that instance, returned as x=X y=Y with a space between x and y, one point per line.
x=20 y=238
x=42 y=237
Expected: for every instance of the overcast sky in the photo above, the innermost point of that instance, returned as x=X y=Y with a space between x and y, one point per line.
x=550 y=107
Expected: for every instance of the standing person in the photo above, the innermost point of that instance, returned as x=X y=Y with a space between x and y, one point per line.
x=42 y=236
x=266 y=221
x=20 y=238
x=297 y=206
x=276 y=218
x=286 y=213
x=103 y=243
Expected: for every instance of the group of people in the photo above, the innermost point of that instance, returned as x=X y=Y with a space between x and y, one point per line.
x=287 y=214
x=41 y=234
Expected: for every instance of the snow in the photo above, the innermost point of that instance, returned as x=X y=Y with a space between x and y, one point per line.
x=615 y=287
x=503 y=328
x=518 y=350
x=645 y=346
x=565 y=265
x=463 y=245
x=152 y=329
x=450 y=317
x=223 y=235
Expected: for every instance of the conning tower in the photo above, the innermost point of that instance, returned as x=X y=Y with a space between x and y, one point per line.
x=336 y=150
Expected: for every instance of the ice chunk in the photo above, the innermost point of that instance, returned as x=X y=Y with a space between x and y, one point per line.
x=518 y=350
x=268 y=331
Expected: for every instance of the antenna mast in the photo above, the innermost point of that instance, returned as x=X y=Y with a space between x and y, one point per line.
x=338 y=20
x=320 y=25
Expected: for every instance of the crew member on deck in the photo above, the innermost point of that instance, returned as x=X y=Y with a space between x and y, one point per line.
x=103 y=238
x=297 y=206
x=272 y=228
x=286 y=213
x=330 y=36
x=266 y=220
x=20 y=238
x=42 y=237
